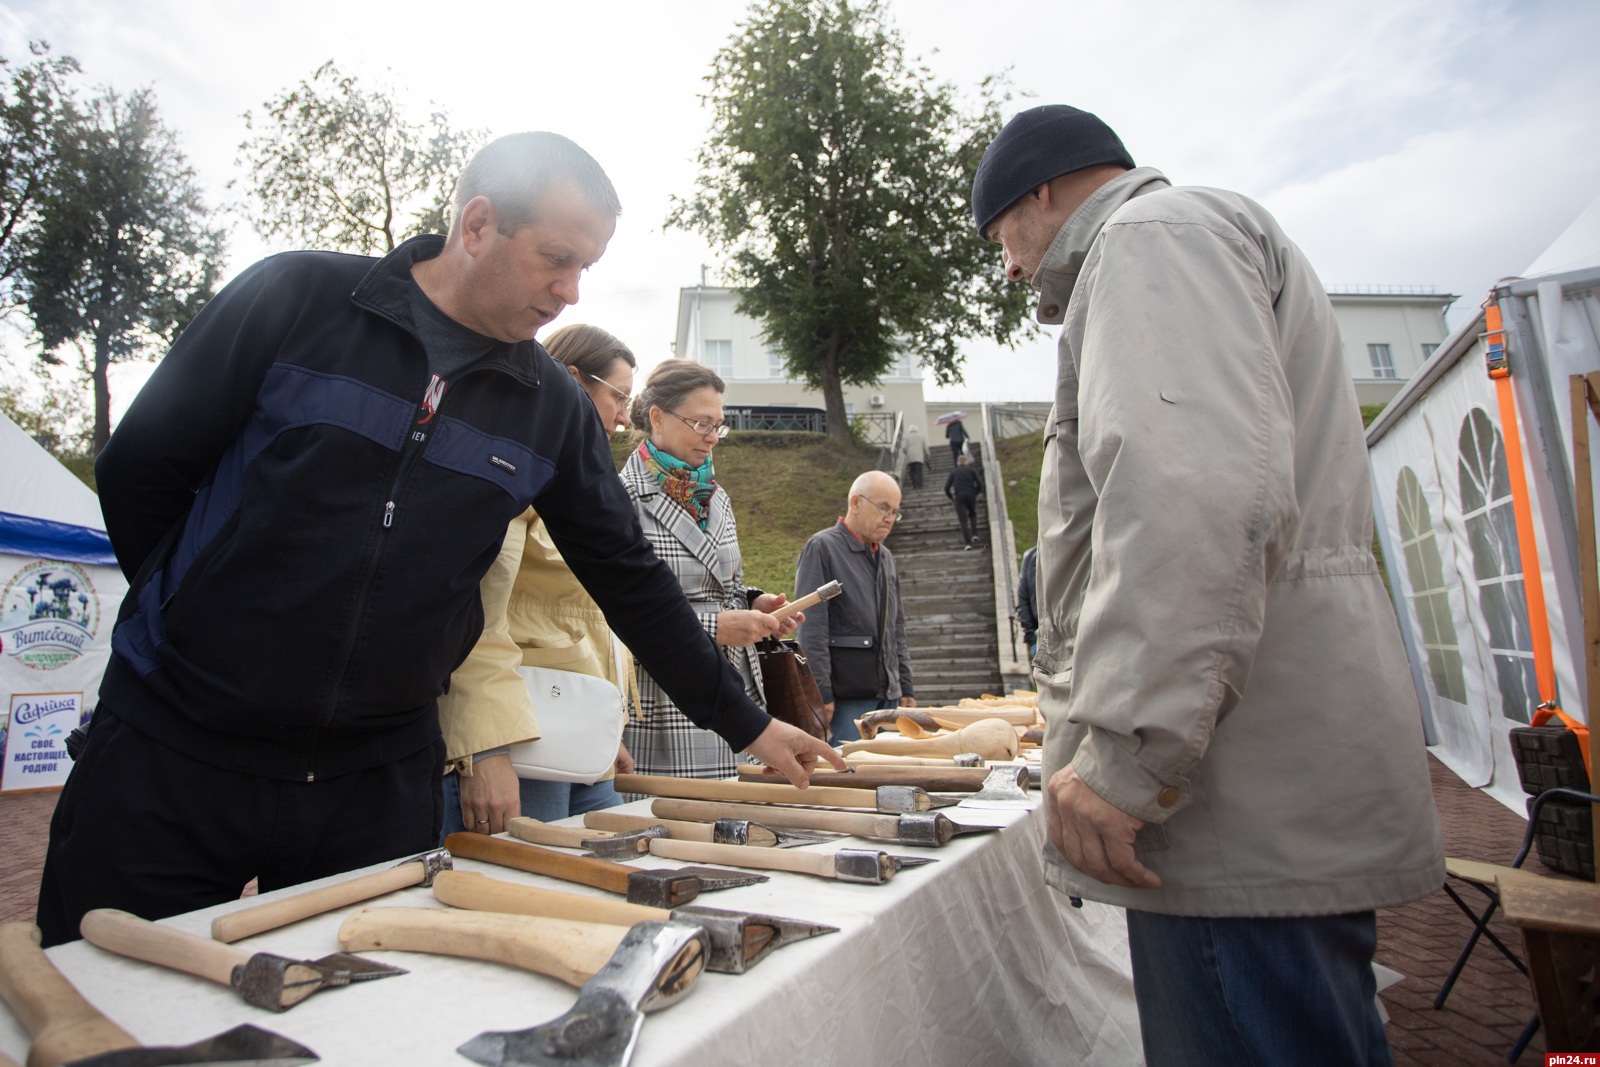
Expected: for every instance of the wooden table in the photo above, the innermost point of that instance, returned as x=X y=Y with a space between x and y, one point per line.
x=1560 y=924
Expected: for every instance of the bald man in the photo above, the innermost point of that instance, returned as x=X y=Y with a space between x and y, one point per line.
x=857 y=646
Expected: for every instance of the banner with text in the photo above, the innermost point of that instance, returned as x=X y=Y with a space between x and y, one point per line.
x=33 y=737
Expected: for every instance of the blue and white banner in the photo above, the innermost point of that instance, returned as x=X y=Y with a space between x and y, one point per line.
x=34 y=740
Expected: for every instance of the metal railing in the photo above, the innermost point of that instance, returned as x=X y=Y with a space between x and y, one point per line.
x=875 y=427
x=1010 y=422
x=892 y=457
x=1004 y=550
x=805 y=421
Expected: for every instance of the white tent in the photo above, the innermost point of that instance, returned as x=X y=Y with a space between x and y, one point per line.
x=1445 y=519
x=60 y=588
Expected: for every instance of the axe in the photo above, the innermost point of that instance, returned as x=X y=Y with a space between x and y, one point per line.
x=635 y=840
x=734 y=830
x=926 y=829
x=67 y=1031
x=888 y=798
x=246 y=922
x=657 y=889
x=260 y=978
x=868 y=866
x=941 y=779
x=739 y=940
x=825 y=592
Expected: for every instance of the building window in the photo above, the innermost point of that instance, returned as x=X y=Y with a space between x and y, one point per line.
x=1497 y=562
x=1430 y=598
x=1428 y=350
x=719 y=357
x=775 y=367
x=1382 y=361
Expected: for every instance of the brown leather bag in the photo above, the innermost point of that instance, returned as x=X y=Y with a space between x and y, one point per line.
x=792 y=693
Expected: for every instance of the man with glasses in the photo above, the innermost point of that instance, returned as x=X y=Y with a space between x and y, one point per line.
x=857 y=645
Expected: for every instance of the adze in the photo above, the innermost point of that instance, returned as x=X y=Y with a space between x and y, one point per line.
x=734 y=830
x=624 y=972
x=739 y=939
x=658 y=889
x=263 y=979
x=925 y=829
x=246 y=922
x=864 y=865
x=888 y=798
x=68 y=1032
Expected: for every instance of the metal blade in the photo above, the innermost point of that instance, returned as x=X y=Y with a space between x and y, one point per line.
x=599 y=1031
x=796 y=838
x=912 y=861
x=739 y=940
x=353 y=968
x=243 y=1046
x=714 y=878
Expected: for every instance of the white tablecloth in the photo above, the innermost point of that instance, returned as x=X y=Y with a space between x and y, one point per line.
x=971 y=960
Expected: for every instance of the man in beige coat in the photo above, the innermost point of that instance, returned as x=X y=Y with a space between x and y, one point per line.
x=1234 y=746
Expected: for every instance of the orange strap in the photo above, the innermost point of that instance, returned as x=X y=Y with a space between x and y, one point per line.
x=1494 y=343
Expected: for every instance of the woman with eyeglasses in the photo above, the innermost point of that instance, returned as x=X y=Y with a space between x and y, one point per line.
x=687 y=517
x=535 y=615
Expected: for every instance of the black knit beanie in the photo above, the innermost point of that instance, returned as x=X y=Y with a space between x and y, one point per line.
x=1037 y=145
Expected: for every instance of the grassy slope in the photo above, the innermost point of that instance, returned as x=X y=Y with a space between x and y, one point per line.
x=784 y=487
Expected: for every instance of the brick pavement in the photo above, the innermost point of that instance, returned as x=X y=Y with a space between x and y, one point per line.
x=1487 y=1010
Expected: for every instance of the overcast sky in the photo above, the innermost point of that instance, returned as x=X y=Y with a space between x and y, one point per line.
x=1441 y=144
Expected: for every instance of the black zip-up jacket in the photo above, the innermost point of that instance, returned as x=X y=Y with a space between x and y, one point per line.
x=856 y=642
x=304 y=537
x=964 y=481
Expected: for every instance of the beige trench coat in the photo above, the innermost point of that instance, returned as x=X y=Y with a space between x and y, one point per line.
x=1217 y=655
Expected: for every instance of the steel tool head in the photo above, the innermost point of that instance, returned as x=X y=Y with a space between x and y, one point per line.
x=745 y=832
x=622 y=845
x=655 y=966
x=342 y=967
x=870 y=866
x=1006 y=786
x=714 y=878
x=432 y=863
x=933 y=829
x=278 y=984
x=967 y=759
x=831 y=590
x=244 y=1045
x=740 y=940
x=900 y=799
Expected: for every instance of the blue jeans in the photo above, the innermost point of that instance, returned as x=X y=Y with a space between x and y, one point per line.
x=545 y=801
x=1294 y=992
x=845 y=714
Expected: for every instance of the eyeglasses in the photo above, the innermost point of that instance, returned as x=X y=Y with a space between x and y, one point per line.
x=888 y=512
x=627 y=398
x=719 y=430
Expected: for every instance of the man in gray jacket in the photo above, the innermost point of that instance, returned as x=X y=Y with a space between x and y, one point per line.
x=1234 y=747
x=856 y=642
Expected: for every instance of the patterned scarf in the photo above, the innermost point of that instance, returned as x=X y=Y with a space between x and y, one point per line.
x=693 y=487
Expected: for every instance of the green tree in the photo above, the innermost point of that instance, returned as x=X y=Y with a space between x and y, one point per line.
x=122 y=256
x=35 y=100
x=836 y=178
x=336 y=165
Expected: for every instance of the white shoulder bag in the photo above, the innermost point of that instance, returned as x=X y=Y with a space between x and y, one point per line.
x=580 y=726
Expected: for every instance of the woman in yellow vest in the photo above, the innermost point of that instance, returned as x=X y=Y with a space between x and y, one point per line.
x=535 y=615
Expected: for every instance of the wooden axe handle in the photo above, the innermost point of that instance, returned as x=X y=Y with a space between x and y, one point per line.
x=860 y=823
x=602 y=874
x=933 y=779
x=64 y=1026
x=542 y=833
x=246 y=922
x=678 y=831
x=749 y=792
x=765 y=859
x=478 y=892
x=563 y=949
x=128 y=935
x=796 y=606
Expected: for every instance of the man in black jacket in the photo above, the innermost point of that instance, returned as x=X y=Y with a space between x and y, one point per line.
x=855 y=644
x=304 y=498
x=964 y=486
x=1027 y=609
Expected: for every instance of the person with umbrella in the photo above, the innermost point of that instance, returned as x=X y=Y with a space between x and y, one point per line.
x=955 y=432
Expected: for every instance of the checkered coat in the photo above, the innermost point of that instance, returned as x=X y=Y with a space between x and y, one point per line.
x=711 y=571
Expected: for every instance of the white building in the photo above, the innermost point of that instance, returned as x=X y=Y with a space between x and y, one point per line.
x=1389 y=331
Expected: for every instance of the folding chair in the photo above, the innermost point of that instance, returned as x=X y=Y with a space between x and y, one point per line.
x=1485 y=877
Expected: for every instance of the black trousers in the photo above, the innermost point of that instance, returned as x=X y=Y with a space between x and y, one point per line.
x=914 y=470
x=148 y=830
x=967 y=516
x=956 y=448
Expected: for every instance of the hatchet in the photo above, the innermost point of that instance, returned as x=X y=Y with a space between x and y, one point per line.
x=67 y=1031
x=246 y=922
x=635 y=839
x=260 y=978
x=739 y=939
x=824 y=592
x=735 y=830
x=940 y=779
x=658 y=889
x=868 y=866
x=889 y=798
x=926 y=829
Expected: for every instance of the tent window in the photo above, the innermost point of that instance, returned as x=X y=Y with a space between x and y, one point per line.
x=1497 y=562
x=1425 y=571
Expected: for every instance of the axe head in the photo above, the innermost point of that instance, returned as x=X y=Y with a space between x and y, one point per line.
x=432 y=863
x=831 y=590
x=278 y=984
x=1005 y=787
x=870 y=866
x=672 y=889
x=933 y=829
x=903 y=799
x=624 y=845
x=745 y=832
x=740 y=940
x=242 y=1045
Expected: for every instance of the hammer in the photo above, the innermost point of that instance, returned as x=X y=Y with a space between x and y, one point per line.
x=69 y=1032
x=736 y=830
x=888 y=798
x=739 y=940
x=846 y=865
x=657 y=889
x=826 y=592
x=925 y=829
x=246 y=922
x=260 y=978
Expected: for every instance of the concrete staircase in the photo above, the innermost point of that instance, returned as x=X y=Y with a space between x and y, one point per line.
x=948 y=593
